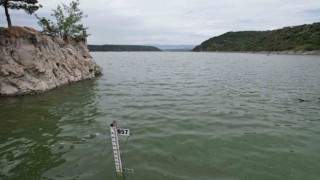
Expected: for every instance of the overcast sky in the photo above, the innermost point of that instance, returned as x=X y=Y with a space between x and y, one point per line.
x=177 y=21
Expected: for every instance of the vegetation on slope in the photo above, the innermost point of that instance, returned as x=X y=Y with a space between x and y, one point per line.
x=297 y=38
x=121 y=48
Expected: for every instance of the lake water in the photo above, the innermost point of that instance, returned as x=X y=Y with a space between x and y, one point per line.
x=191 y=115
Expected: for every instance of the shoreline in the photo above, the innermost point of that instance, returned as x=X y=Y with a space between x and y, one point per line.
x=288 y=52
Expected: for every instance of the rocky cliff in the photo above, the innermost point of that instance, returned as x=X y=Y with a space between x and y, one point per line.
x=31 y=62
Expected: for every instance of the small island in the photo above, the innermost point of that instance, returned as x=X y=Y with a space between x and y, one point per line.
x=304 y=39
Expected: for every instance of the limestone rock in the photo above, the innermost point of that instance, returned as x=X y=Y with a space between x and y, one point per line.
x=31 y=62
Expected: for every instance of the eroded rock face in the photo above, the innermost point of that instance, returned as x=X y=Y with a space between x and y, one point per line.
x=32 y=63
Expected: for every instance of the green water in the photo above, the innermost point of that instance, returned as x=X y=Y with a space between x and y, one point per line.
x=191 y=116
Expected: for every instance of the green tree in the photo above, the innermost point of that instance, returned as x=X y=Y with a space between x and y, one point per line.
x=68 y=21
x=29 y=6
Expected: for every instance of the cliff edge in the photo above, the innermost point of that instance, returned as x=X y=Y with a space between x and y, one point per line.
x=31 y=62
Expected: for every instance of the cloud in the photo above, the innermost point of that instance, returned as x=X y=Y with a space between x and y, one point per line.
x=179 y=21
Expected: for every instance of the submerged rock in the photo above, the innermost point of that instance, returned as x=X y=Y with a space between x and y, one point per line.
x=31 y=62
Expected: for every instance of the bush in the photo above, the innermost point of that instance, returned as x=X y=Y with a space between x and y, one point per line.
x=68 y=22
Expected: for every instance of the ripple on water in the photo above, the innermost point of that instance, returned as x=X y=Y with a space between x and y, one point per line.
x=191 y=116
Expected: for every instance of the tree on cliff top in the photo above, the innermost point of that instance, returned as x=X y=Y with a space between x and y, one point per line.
x=29 y=6
x=68 y=22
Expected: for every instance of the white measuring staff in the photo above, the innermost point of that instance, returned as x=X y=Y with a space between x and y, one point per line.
x=116 y=149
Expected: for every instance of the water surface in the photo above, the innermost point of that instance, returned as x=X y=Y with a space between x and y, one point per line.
x=191 y=116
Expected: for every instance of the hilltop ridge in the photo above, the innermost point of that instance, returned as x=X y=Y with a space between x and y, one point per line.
x=299 y=39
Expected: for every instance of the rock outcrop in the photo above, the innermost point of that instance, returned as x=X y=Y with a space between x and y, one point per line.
x=31 y=62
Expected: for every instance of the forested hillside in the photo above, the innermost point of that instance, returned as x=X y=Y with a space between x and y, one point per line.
x=297 y=38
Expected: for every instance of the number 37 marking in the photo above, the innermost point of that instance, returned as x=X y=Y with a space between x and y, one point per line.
x=123 y=132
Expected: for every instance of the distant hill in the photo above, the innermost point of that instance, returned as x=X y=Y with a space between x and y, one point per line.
x=296 y=38
x=165 y=47
x=122 y=48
